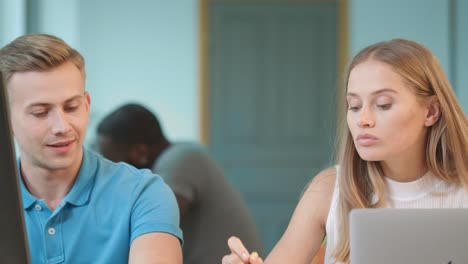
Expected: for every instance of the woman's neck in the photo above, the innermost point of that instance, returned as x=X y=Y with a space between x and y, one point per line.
x=404 y=170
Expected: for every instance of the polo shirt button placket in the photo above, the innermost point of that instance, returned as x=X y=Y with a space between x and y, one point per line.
x=54 y=243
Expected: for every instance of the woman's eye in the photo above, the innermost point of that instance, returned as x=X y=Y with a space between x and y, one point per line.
x=384 y=106
x=353 y=108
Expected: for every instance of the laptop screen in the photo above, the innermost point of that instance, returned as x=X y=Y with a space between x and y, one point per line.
x=13 y=245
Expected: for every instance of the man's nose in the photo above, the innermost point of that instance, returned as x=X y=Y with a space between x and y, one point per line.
x=60 y=124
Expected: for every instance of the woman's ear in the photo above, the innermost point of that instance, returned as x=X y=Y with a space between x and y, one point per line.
x=433 y=112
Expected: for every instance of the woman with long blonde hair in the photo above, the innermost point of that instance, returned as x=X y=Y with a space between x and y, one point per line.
x=403 y=146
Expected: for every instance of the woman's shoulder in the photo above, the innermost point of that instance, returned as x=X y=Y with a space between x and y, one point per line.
x=320 y=192
x=324 y=181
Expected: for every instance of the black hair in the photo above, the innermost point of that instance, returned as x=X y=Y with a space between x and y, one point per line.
x=131 y=124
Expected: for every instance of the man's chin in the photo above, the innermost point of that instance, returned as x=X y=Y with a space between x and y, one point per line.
x=56 y=166
x=58 y=163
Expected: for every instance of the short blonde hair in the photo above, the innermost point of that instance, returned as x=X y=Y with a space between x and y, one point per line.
x=37 y=52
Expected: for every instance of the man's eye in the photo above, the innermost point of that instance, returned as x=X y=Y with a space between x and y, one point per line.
x=71 y=108
x=39 y=114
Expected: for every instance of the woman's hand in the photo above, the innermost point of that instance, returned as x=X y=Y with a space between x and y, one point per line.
x=239 y=254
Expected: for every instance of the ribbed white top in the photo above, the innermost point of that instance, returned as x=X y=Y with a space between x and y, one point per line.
x=427 y=192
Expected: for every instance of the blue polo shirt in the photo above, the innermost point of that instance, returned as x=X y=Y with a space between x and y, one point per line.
x=109 y=205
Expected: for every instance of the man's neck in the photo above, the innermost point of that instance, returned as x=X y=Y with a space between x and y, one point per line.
x=50 y=185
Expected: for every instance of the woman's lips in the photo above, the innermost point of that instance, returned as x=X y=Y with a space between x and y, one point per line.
x=366 y=140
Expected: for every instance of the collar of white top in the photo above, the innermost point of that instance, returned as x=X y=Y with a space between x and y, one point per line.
x=406 y=191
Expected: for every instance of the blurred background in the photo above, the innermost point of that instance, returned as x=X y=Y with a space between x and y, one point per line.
x=256 y=81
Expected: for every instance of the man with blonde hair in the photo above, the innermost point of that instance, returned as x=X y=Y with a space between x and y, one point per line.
x=78 y=207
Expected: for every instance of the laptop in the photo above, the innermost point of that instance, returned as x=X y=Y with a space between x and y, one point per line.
x=409 y=236
x=13 y=242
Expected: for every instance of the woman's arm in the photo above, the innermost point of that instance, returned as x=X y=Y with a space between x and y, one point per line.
x=305 y=231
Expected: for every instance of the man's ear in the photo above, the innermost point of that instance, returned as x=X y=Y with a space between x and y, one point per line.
x=87 y=99
x=433 y=112
x=139 y=154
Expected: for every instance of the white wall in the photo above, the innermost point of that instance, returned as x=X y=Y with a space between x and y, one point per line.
x=143 y=51
x=140 y=51
x=60 y=18
x=12 y=20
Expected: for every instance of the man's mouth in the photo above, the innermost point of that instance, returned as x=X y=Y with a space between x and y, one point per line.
x=61 y=143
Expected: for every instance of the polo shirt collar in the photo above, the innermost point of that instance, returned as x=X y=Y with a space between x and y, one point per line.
x=81 y=189
x=27 y=197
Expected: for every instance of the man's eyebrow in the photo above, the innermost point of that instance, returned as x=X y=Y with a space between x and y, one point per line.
x=74 y=98
x=49 y=104
x=38 y=105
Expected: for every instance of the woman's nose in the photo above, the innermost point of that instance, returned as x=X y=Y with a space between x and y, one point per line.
x=366 y=118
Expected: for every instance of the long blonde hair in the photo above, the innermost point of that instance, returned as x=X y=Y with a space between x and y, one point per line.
x=446 y=151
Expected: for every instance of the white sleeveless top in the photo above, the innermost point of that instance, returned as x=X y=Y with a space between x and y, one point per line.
x=426 y=192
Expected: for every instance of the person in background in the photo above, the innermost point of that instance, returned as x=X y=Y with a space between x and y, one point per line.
x=211 y=209
x=78 y=207
x=404 y=146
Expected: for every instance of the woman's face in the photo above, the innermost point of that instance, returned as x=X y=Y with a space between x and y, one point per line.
x=386 y=120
